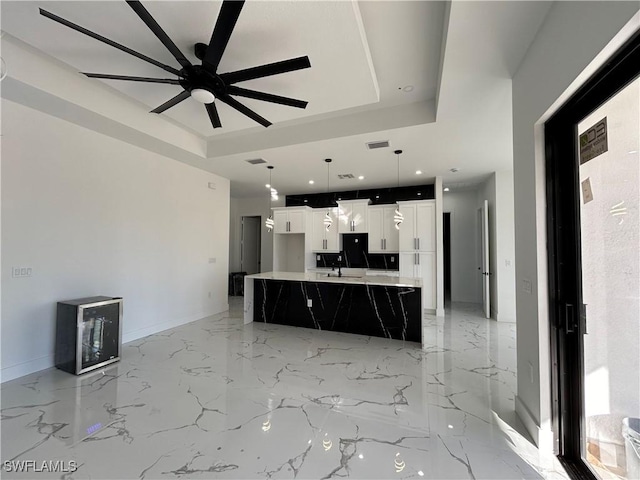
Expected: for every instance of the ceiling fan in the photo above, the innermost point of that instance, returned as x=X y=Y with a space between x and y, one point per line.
x=202 y=82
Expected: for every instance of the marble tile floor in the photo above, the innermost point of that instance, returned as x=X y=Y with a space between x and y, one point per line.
x=219 y=399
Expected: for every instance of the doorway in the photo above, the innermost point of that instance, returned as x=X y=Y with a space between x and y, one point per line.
x=593 y=193
x=446 y=250
x=250 y=261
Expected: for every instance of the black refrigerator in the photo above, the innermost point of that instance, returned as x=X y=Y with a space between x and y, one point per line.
x=88 y=333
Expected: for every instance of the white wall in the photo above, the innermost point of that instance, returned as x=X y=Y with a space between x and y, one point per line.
x=569 y=40
x=254 y=206
x=92 y=215
x=464 y=266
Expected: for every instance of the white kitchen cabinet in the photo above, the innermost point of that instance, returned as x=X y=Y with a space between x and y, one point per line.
x=421 y=265
x=418 y=230
x=383 y=235
x=323 y=240
x=353 y=216
x=290 y=219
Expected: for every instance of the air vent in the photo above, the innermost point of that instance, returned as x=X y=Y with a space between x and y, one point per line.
x=380 y=144
x=344 y=176
x=256 y=161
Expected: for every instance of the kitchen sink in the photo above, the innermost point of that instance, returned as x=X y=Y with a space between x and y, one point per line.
x=343 y=276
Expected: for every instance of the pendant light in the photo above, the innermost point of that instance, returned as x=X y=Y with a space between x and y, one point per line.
x=398 y=218
x=328 y=221
x=269 y=223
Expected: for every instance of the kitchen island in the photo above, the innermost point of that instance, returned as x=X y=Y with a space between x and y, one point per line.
x=381 y=306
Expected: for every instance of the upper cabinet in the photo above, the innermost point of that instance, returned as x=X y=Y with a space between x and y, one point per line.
x=290 y=219
x=383 y=235
x=418 y=230
x=325 y=240
x=353 y=216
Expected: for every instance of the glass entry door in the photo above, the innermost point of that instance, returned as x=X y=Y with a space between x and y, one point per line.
x=593 y=171
x=609 y=176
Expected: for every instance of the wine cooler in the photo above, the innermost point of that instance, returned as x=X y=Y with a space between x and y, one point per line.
x=88 y=333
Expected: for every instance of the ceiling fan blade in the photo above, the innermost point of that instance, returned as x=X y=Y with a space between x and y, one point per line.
x=266 y=97
x=213 y=115
x=227 y=18
x=102 y=39
x=132 y=79
x=233 y=103
x=266 y=70
x=174 y=101
x=146 y=17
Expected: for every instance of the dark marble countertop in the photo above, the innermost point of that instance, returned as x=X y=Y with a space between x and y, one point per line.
x=346 y=278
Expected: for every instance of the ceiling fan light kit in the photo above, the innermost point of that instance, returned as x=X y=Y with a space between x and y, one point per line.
x=202 y=96
x=202 y=82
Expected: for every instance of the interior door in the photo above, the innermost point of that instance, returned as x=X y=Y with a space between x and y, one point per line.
x=593 y=193
x=486 y=285
x=250 y=243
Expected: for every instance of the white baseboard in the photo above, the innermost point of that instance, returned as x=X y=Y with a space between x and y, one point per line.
x=161 y=327
x=542 y=437
x=505 y=318
x=25 y=368
x=47 y=361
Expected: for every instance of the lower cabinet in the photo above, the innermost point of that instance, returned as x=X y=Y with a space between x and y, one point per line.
x=421 y=265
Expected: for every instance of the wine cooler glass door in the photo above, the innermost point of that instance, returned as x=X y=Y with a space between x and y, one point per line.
x=100 y=334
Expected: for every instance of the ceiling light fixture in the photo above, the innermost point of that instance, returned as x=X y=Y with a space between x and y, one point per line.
x=398 y=218
x=328 y=221
x=446 y=189
x=269 y=223
x=418 y=172
x=311 y=182
x=407 y=88
x=203 y=96
x=361 y=177
x=454 y=170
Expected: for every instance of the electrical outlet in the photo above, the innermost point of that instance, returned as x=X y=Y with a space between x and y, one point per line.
x=526 y=285
x=309 y=303
x=17 y=272
x=212 y=185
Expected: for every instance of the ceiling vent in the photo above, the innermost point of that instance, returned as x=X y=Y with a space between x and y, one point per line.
x=256 y=161
x=380 y=144
x=344 y=176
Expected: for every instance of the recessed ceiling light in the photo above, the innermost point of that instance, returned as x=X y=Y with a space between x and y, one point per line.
x=631 y=152
x=361 y=177
x=446 y=189
x=407 y=88
x=418 y=172
x=311 y=182
x=454 y=169
x=268 y=185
